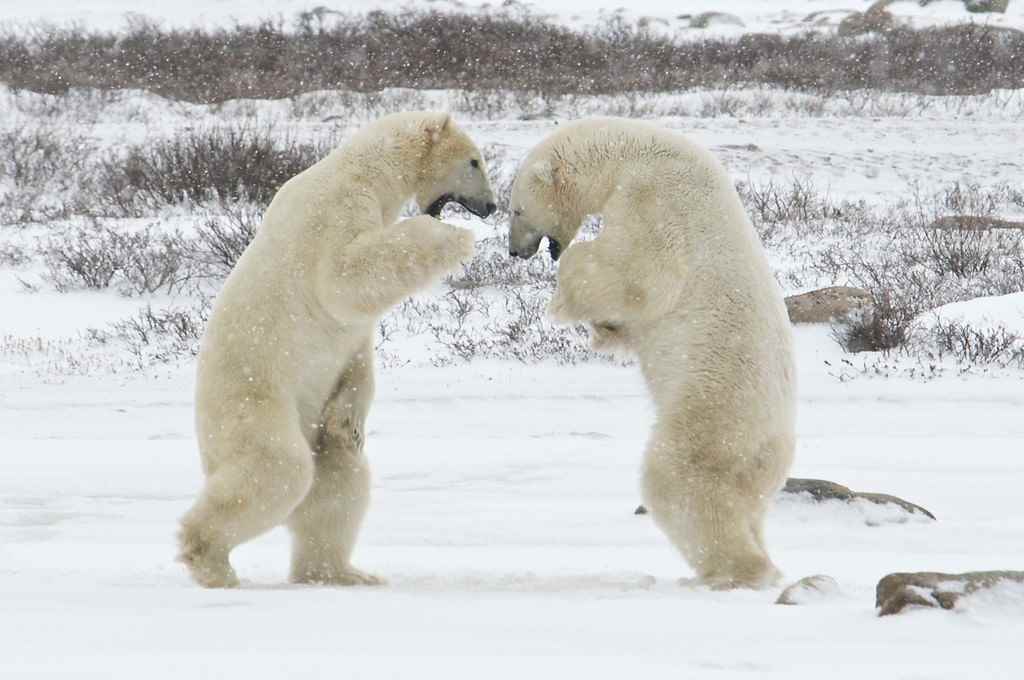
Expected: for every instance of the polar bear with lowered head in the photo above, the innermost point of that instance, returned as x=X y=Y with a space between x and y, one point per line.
x=285 y=370
x=678 y=278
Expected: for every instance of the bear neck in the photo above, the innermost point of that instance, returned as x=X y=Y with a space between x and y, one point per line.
x=391 y=173
x=599 y=173
x=597 y=187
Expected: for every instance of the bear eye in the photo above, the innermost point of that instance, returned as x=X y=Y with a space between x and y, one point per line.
x=475 y=163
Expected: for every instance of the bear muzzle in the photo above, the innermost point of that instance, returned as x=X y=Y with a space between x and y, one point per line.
x=554 y=248
x=481 y=209
x=530 y=249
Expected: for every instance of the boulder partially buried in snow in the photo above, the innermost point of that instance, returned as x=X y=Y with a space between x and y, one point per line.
x=974 y=223
x=809 y=590
x=874 y=20
x=982 y=6
x=714 y=19
x=822 y=490
x=898 y=592
x=836 y=303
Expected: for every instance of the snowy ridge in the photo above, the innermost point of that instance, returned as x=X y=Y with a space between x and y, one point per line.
x=758 y=16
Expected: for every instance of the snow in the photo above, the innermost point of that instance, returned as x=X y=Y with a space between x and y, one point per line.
x=775 y=16
x=986 y=313
x=503 y=497
x=502 y=518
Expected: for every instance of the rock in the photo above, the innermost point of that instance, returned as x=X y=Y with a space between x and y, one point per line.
x=895 y=592
x=824 y=17
x=819 y=489
x=808 y=590
x=886 y=499
x=741 y=147
x=823 y=490
x=873 y=20
x=974 y=223
x=712 y=19
x=982 y=6
x=826 y=305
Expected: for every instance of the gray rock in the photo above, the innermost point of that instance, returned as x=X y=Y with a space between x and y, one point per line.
x=974 y=223
x=825 y=16
x=740 y=147
x=819 y=489
x=982 y=6
x=809 y=589
x=826 y=305
x=886 y=499
x=710 y=19
x=873 y=20
x=896 y=592
x=823 y=490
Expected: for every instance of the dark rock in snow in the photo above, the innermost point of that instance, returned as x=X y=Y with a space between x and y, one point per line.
x=711 y=19
x=974 y=223
x=826 y=16
x=873 y=20
x=819 y=489
x=982 y=6
x=896 y=592
x=977 y=6
x=740 y=147
x=809 y=589
x=835 y=303
x=822 y=490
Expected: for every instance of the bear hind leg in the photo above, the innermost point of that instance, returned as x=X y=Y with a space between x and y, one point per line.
x=245 y=496
x=716 y=526
x=326 y=524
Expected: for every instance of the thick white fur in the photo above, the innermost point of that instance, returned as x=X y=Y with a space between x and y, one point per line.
x=678 y=277
x=285 y=372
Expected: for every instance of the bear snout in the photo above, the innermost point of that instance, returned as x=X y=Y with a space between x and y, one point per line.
x=479 y=208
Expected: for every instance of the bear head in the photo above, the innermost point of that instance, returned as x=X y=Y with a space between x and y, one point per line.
x=452 y=170
x=543 y=205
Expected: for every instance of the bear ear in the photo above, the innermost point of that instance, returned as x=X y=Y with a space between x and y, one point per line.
x=435 y=130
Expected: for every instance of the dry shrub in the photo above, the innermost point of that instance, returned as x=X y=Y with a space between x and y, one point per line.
x=238 y=162
x=495 y=50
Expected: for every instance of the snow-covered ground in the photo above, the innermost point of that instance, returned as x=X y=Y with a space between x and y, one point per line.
x=860 y=146
x=502 y=516
x=503 y=499
x=757 y=16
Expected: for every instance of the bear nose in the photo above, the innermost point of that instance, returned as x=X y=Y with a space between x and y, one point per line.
x=489 y=209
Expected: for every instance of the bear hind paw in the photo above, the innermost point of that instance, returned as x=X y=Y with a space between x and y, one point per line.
x=349 y=576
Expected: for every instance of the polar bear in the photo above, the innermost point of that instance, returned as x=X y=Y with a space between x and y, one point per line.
x=678 y=278
x=285 y=369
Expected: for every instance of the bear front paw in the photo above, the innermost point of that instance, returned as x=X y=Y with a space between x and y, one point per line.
x=556 y=310
x=463 y=244
x=560 y=309
x=607 y=337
